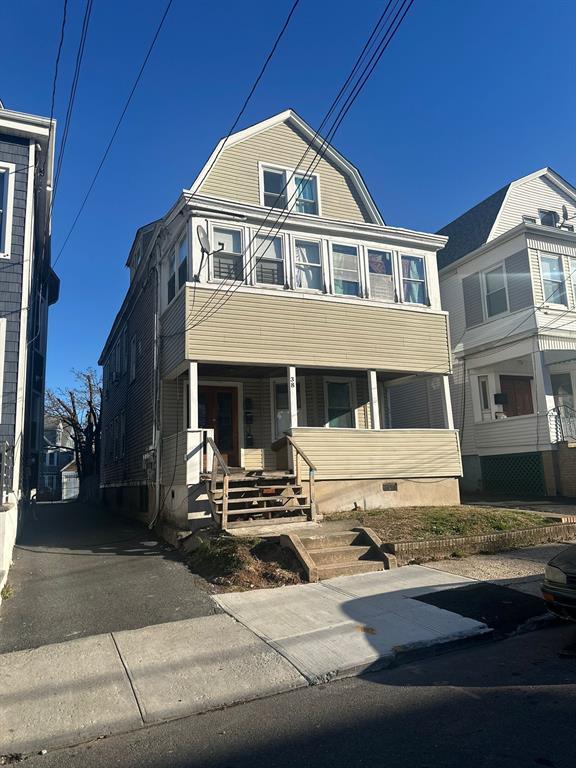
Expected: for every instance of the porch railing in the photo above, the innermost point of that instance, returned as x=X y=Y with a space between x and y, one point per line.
x=297 y=454
x=6 y=465
x=219 y=461
x=562 y=420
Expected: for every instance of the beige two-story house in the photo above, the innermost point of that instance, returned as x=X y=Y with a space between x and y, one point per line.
x=276 y=332
x=508 y=280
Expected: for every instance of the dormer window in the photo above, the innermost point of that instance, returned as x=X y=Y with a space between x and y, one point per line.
x=548 y=218
x=287 y=189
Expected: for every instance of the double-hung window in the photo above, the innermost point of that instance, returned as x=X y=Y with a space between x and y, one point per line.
x=553 y=279
x=572 y=277
x=381 y=275
x=228 y=260
x=3 y=211
x=275 y=192
x=306 y=194
x=496 y=294
x=338 y=397
x=182 y=261
x=171 y=283
x=413 y=280
x=308 y=262
x=268 y=257
x=133 y=358
x=346 y=270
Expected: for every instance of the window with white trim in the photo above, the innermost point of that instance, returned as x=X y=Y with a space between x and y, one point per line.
x=495 y=290
x=572 y=277
x=306 y=194
x=308 y=263
x=3 y=209
x=381 y=275
x=282 y=188
x=339 y=403
x=133 y=353
x=275 y=192
x=553 y=279
x=345 y=270
x=182 y=261
x=413 y=279
x=227 y=259
x=548 y=218
x=268 y=258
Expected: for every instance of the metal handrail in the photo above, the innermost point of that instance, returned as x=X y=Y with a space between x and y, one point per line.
x=565 y=416
x=218 y=459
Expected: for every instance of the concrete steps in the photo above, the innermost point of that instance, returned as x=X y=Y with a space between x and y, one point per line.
x=342 y=553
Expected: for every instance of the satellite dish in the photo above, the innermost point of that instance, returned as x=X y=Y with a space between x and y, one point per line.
x=564 y=213
x=204 y=240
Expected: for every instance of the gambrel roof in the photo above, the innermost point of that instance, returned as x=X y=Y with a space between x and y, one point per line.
x=484 y=221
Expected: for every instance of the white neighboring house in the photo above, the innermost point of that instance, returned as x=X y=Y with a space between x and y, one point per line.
x=508 y=280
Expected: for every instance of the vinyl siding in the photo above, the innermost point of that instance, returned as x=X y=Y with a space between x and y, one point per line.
x=461 y=397
x=251 y=328
x=173 y=459
x=172 y=330
x=417 y=404
x=562 y=248
x=519 y=281
x=235 y=175
x=526 y=199
x=522 y=434
x=472 y=292
x=348 y=453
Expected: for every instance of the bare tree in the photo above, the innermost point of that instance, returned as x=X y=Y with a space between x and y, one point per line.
x=79 y=408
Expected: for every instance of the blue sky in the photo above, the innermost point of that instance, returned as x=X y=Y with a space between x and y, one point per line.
x=469 y=96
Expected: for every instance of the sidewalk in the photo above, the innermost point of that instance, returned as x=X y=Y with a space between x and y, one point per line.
x=274 y=640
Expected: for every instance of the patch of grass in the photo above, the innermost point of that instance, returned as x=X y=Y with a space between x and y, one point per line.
x=7 y=592
x=244 y=563
x=420 y=523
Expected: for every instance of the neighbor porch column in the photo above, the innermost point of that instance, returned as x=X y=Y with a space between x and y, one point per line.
x=447 y=403
x=292 y=396
x=375 y=422
x=193 y=394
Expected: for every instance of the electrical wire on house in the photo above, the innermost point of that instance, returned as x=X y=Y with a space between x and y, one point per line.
x=116 y=128
x=400 y=9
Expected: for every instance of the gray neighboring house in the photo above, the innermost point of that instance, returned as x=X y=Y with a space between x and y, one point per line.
x=28 y=286
x=58 y=452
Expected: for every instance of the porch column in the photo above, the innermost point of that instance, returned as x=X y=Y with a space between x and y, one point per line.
x=542 y=384
x=193 y=394
x=375 y=422
x=292 y=396
x=447 y=403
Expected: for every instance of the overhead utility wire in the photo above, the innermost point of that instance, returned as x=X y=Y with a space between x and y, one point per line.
x=116 y=129
x=369 y=68
x=213 y=299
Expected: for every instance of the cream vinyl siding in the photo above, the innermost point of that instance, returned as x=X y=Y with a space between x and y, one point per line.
x=235 y=175
x=172 y=334
x=387 y=453
x=527 y=199
x=252 y=328
x=560 y=248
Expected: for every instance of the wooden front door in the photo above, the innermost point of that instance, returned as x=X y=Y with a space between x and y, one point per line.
x=218 y=410
x=518 y=391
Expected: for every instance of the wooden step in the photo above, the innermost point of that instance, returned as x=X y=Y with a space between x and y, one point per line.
x=254 y=499
x=349 y=569
x=343 y=555
x=244 y=488
x=265 y=510
x=272 y=521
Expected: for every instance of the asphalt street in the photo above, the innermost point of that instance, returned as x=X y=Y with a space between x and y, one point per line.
x=79 y=571
x=507 y=704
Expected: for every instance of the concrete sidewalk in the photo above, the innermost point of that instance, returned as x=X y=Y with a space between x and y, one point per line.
x=275 y=640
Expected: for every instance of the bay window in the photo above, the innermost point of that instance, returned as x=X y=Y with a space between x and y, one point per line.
x=227 y=260
x=380 y=275
x=182 y=261
x=553 y=279
x=413 y=280
x=308 y=264
x=346 y=270
x=496 y=294
x=268 y=257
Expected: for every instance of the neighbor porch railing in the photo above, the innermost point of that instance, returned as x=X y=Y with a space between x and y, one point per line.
x=562 y=420
x=297 y=454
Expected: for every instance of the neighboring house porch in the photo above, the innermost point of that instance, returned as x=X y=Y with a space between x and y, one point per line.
x=365 y=438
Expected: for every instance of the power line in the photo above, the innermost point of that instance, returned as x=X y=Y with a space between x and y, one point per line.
x=55 y=77
x=116 y=128
x=401 y=10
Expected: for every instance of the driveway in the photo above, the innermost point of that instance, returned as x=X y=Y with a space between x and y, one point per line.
x=79 y=571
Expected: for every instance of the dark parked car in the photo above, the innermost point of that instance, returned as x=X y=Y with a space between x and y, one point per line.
x=559 y=587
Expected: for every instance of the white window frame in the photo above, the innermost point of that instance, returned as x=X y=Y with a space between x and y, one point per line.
x=572 y=277
x=183 y=237
x=560 y=258
x=243 y=248
x=2 y=357
x=290 y=183
x=393 y=261
x=255 y=253
x=171 y=258
x=133 y=358
x=353 y=398
x=545 y=211
x=400 y=280
x=322 y=265
x=359 y=250
x=486 y=272
x=7 y=177
x=301 y=384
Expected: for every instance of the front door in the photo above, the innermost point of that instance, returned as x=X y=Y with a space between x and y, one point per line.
x=218 y=410
x=518 y=391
